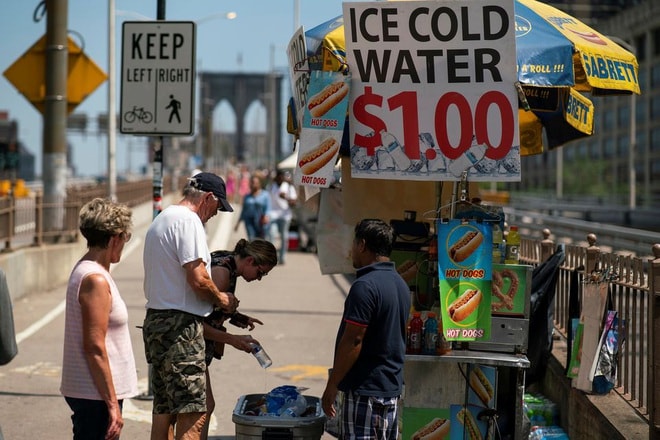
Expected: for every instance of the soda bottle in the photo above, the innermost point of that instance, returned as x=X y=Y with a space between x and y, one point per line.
x=467 y=159
x=430 y=334
x=442 y=345
x=497 y=243
x=512 y=246
x=392 y=145
x=416 y=325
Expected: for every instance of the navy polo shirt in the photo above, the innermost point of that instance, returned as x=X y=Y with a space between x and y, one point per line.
x=379 y=299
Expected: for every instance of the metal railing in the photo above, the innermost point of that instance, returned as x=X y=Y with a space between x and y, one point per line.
x=22 y=218
x=632 y=293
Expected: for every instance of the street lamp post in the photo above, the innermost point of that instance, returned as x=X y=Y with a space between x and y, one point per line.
x=632 y=173
x=112 y=119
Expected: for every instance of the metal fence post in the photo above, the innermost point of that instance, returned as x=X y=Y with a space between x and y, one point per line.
x=547 y=245
x=39 y=220
x=654 y=344
x=593 y=255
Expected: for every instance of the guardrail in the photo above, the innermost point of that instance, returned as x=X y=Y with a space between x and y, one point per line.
x=22 y=218
x=591 y=210
x=634 y=293
x=615 y=239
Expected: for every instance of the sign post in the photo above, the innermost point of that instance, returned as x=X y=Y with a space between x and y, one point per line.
x=158 y=85
x=158 y=78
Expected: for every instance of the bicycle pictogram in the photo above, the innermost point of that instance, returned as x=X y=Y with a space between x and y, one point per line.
x=139 y=114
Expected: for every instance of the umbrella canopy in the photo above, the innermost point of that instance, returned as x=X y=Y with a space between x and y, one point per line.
x=289 y=162
x=558 y=56
x=555 y=49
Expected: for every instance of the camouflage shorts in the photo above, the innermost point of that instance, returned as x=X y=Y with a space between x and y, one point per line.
x=174 y=346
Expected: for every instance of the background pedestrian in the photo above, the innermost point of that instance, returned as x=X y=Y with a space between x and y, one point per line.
x=283 y=196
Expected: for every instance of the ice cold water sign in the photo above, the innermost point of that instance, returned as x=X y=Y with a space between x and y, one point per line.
x=432 y=92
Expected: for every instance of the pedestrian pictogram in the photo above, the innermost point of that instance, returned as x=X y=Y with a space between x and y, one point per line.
x=174 y=107
x=158 y=78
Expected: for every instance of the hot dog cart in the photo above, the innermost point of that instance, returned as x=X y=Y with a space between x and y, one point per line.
x=443 y=388
x=414 y=141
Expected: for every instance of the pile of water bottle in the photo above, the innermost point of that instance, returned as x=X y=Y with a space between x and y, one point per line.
x=544 y=418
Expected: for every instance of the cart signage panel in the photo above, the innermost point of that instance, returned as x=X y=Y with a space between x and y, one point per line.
x=158 y=78
x=465 y=274
x=322 y=129
x=298 y=71
x=433 y=90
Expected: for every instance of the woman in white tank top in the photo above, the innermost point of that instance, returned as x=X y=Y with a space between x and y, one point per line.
x=98 y=368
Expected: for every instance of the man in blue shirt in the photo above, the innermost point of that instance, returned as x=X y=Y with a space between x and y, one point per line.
x=371 y=340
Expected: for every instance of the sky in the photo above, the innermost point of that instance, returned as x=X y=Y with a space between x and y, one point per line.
x=254 y=42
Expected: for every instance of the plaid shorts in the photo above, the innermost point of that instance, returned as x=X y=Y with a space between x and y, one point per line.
x=369 y=417
x=174 y=346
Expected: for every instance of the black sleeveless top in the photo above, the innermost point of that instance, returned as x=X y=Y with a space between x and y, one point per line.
x=224 y=259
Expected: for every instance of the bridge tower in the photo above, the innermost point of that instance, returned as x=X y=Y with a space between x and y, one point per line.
x=240 y=90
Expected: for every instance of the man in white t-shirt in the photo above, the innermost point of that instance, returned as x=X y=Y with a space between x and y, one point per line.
x=180 y=293
x=282 y=196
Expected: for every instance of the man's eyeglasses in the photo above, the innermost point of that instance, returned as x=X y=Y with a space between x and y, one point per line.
x=261 y=272
x=217 y=201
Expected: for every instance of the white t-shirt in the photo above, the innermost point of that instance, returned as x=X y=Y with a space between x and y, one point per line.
x=175 y=237
x=279 y=207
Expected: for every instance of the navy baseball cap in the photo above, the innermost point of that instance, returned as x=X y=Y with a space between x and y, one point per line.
x=212 y=183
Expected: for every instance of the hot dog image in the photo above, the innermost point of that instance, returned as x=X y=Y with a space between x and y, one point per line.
x=467 y=244
x=323 y=101
x=481 y=385
x=407 y=270
x=469 y=424
x=316 y=159
x=464 y=305
x=436 y=429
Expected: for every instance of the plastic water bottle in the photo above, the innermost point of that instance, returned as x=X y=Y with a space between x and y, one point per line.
x=261 y=355
x=384 y=159
x=430 y=334
x=512 y=246
x=392 y=145
x=497 y=243
x=435 y=161
x=467 y=159
x=416 y=326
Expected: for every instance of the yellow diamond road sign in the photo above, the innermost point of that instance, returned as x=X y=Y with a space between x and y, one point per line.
x=28 y=75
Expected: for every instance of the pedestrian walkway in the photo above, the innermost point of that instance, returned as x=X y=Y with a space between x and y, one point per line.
x=300 y=308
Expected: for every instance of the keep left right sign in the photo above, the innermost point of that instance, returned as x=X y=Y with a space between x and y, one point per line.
x=158 y=78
